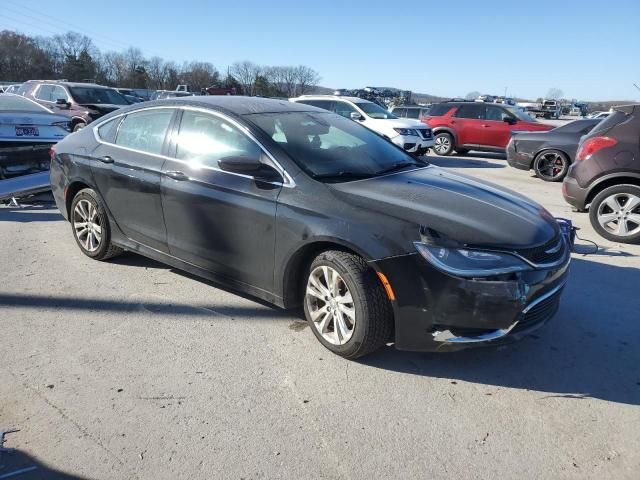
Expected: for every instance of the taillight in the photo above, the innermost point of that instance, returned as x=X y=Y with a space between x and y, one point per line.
x=594 y=145
x=52 y=152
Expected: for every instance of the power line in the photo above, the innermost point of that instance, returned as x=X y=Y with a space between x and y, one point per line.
x=37 y=27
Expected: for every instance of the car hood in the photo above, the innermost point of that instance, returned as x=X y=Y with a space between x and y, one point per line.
x=460 y=208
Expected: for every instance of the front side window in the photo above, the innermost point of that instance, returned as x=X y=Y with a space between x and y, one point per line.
x=58 y=92
x=145 y=130
x=399 y=112
x=44 y=93
x=413 y=113
x=329 y=147
x=496 y=114
x=324 y=104
x=204 y=139
x=344 y=109
x=374 y=110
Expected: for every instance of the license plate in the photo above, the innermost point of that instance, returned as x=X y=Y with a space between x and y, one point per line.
x=27 y=132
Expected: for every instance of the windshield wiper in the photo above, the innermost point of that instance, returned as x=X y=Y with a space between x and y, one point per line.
x=342 y=174
x=397 y=166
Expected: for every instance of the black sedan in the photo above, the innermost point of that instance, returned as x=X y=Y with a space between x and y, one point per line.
x=550 y=153
x=302 y=207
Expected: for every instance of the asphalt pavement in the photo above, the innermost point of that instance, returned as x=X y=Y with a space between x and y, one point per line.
x=130 y=369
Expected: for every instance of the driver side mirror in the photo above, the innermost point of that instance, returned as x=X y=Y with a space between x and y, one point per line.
x=356 y=116
x=510 y=120
x=62 y=103
x=249 y=166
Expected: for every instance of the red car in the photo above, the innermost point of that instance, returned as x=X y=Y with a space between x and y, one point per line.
x=464 y=126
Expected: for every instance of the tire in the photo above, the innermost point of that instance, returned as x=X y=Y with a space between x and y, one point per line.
x=462 y=151
x=369 y=326
x=611 y=213
x=551 y=165
x=443 y=144
x=90 y=226
x=79 y=126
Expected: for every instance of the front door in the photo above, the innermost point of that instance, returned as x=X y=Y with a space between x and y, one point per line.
x=498 y=131
x=127 y=170
x=220 y=221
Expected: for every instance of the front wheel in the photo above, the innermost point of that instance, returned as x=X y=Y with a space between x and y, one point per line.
x=346 y=305
x=551 y=165
x=615 y=213
x=443 y=144
x=79 y=126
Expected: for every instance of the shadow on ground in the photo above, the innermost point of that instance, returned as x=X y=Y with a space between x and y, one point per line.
x=30 y=213
x=589 y=350
x=23 y=466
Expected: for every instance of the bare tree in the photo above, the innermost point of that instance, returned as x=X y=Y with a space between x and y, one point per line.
x=199 y=75
x=246 y=73
x=306 y=78
x=554 y=93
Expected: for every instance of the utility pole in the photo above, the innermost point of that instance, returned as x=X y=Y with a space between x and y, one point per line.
x=505 y=92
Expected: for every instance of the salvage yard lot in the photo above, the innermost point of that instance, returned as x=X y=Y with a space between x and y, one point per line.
x=130 y=369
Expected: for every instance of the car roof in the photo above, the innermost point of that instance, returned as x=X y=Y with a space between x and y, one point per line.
x=236 y=104
x=70 y=84
x=332 y=97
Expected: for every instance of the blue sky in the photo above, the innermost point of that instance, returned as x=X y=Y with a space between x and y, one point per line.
x=588 y=49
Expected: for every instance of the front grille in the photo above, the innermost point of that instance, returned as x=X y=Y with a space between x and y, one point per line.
x=549 y=252
x=540 y=313
x=425 y=133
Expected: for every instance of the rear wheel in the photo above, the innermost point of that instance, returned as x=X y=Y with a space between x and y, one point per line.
x=551 y=165
x=443 y=144
x=346 y=305
x=90 y=226
x=615 y=213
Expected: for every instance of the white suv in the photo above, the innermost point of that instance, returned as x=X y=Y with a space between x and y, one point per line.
x=411 y=135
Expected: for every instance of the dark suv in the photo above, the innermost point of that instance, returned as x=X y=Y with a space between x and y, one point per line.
x=83 y=102
x=605 y=178
x=464 y=126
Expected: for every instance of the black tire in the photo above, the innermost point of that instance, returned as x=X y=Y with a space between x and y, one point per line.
x=620 y=194
x=373 y=326
x=443 y=144
x=551 y=165
x=79 y=126
x=462 y=151
x=105 y=249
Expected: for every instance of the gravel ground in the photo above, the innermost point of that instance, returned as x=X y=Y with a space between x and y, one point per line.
x=130 y=369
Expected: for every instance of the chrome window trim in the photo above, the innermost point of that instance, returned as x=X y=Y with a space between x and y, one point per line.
x=288 y=180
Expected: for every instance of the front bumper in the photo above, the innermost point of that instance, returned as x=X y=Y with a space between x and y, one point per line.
x=520 y=160
x=436 y=311
x=413 y=143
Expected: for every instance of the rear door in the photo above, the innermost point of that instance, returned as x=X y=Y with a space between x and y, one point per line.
x=127 y=166
x=220 y=221
x=469 y=125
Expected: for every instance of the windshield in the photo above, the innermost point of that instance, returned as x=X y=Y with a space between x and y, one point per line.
x=374 y=111
x=329 y=147
x=520 y=115
x=16 y=102
x=90 y=95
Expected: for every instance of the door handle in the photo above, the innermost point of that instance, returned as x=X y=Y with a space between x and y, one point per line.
x=485 y=125
x=106 y=159
x=176 y=175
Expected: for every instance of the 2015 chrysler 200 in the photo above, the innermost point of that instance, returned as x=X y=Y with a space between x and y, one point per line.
x=299 y=206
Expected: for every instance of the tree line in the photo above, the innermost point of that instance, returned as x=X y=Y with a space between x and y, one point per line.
x=74 y=57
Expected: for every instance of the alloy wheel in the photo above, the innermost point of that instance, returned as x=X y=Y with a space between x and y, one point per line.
x=86 y=225
x=619 y=214
x=551 y=164
x=442 y=144
x=330 y=305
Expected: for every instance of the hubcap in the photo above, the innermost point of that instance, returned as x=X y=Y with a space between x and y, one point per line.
x=551 y=164
x=619 y=214
x=442 y=144
x=330 y=305
x=86 y=224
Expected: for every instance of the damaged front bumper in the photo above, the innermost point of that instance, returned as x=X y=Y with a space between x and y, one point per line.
x=437 y=311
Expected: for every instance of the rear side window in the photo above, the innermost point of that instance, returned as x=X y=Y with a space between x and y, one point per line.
x=439 y=110
x=324 y=104
x=399 y=112
x=413 y=113
x=471 y=110
x=107 y=131
x=145 y=131
x=204 y=139
x=616 y=118
x=344 y=109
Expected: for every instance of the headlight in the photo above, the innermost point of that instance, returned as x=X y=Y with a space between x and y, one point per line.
x=406 y=131
x=470 y=263
x=65 y=125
